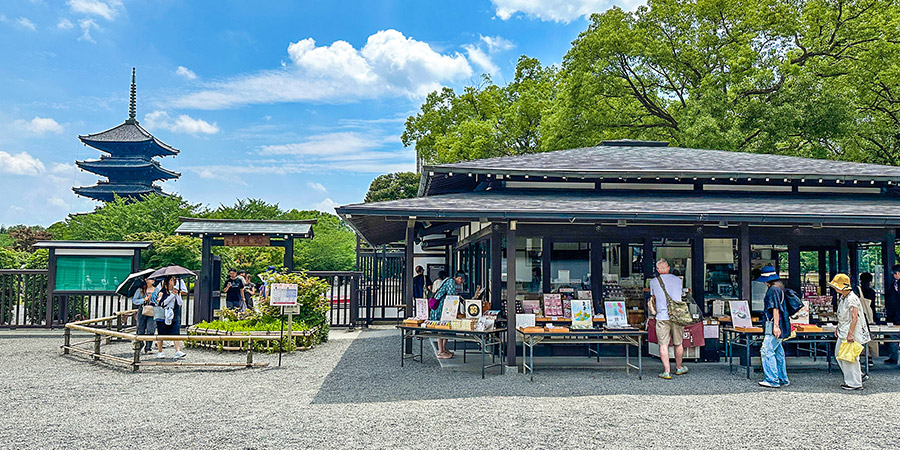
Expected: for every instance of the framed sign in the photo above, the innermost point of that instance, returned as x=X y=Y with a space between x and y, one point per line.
x=282 y=294
x=246 y=241
x=91 y=273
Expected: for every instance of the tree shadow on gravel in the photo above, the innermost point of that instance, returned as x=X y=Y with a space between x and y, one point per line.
x=369 y=371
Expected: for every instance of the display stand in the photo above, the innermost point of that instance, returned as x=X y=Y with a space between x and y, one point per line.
x=595 y=337
x=490 y=339
x=746 y=340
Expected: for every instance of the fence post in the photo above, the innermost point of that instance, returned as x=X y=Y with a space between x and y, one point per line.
x=96 y=347
x=249 y=352
x=354 y=300
x=138 y=345
x=67 y=338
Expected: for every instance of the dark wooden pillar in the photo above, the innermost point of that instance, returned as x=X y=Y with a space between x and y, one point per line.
x=823 y=272
x=511 y=294
x=853 y=249
x=744 y=262
x=697 y=270
x=408 y=273
x=794 y=277
x=289 y=253
x=843 y=260
x=597 y=272
x=832 y=264
x=888 y=257
x=496 y=260
x=203 y=303
x=51 y=285
x=624 y=259
x=546 y=246
x=647 y=259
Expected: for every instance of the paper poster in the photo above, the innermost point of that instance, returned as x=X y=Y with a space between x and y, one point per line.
x=585 y=295
x=567 y=293
x=422 y=309
x=581 y=314
x=450 y=309
x=567 y=308
x=740 y=314
x=616 y=317
x=553 y=305
x=283 y=294
x=524 y=320
x=473 y=309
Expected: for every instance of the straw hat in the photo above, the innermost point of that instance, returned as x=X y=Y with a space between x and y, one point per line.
x=840 y=282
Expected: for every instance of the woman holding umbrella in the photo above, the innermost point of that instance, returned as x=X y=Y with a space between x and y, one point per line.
x=168 y=323
x=143 y=296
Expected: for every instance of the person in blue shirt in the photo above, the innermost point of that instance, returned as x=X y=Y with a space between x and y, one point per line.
x=777 y=328
x=145 y=324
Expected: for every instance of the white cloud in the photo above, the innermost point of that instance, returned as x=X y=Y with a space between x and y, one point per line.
x=39 y=125
x=108 y=9
x=481 y=59
x=181 y=124
x=326 y=206
x=558 y=10
x=318 y=187
x=323 y=145
x=65 y=24
x=25 y=23
x=86 y=26
x=185 y=72
x=497 y=44
x=390 y=64
x=20 y=164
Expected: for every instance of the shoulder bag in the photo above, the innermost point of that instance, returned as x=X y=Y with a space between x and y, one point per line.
x=679 y=313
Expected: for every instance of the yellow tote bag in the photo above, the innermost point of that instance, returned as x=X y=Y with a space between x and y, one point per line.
x=849 y=351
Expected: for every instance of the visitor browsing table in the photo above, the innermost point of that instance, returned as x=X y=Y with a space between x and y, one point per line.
x=597 y=337
x=489 y=339
x=747 y=339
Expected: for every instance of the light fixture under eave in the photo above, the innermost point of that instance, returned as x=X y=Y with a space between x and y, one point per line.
x=723 y=224
x=818 y=226
x=622 y=223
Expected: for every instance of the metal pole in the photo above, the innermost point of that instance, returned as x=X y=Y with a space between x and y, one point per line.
x=281 y=340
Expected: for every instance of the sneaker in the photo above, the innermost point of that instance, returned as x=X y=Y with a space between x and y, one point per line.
x=865 y=378
x=665 y=376
x=160 y=355
x=785 y=383
x=851 y=388
x=683 y=370
x=180 y=354
x=769 y=385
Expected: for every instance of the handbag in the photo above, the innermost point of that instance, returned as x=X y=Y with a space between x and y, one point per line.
x=159 y=313
x=679 y=313
x=433 y=303
x=849 y=351
x=147 y=311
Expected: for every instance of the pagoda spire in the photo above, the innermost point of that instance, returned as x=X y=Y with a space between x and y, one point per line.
x=132 y=104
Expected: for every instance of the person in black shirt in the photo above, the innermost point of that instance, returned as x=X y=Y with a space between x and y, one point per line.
x=234 y=285
x=249 y=288
x=419 y=283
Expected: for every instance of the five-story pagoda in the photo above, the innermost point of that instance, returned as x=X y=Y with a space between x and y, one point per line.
x=128 y=163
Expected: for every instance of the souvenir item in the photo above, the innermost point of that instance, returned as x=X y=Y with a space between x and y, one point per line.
x=616 y=317
x=532 y=307
x=585 y=295
x=740 y=314
x=524 y=320
x=451 y=308
x=553 y=305
x=581 y=314
x=473 y=309
x=421 y=308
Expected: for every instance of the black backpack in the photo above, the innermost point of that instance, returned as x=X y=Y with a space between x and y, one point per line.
x=792 y=302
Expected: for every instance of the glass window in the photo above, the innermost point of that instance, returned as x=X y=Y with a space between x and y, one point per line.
x=529 y=260
x=721 y=280
x=91 y=273
x=570 y=265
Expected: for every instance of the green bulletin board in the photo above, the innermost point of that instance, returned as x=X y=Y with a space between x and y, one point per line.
x=91 y=273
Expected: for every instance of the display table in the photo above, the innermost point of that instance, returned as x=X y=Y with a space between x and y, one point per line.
x=748 y=339
x=484 y=339
x=881 y=337
x=597 y=337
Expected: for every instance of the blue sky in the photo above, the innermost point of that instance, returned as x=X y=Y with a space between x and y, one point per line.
x=299 y=103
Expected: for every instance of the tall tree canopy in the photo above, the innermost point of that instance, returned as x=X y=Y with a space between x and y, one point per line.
x=817 y=78
x=393 y=186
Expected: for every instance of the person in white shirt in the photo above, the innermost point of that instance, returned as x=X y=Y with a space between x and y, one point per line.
x=666 y=331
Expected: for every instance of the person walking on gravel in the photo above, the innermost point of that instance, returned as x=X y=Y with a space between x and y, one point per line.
x=777 y=327
x=851 y=328
x=667 y=285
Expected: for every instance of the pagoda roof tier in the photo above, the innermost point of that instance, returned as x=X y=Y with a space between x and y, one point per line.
x=106 y=191
x=132 y=167
x=128 y=139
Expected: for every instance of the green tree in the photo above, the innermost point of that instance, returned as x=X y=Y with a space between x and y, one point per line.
x=393 y=186
x=24 y=237
x=485 y=120
x=119 y=218
x=168 y=250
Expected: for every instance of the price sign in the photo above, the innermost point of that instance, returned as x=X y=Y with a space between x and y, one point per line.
x=282 y=294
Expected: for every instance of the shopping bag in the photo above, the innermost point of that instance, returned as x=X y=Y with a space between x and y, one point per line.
x=849 y=351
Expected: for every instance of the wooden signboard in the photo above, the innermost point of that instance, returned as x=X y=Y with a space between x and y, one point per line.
x=246 y=241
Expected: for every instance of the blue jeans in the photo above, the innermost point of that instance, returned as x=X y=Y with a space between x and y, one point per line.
x=772 y=353
x=893 y=348
x=146 y=326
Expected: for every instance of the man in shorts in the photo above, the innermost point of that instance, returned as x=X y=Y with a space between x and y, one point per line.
x=666 y=331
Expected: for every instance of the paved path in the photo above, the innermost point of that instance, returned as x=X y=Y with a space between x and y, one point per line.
x=352 y=393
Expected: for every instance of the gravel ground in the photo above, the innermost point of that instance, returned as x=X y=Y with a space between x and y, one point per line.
x=352 y=393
